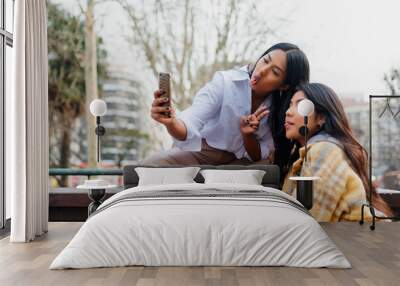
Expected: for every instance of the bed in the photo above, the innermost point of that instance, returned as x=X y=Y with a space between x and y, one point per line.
x=198 y=224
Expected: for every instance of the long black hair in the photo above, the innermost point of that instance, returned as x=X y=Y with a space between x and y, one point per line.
x=297 y=72
x=336 y=124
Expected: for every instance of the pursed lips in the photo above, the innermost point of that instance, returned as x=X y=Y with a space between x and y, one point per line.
x=288 y=124
x=254 y=79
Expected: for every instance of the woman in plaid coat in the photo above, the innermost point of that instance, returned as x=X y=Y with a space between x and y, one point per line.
x=333 y=154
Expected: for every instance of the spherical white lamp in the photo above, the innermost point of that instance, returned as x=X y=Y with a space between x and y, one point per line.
x=98 y=107
x=305 y=107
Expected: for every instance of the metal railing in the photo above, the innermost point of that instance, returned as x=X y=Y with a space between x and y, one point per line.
x=84 y=172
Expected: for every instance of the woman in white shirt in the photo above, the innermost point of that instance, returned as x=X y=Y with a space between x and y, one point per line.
x=237 y=117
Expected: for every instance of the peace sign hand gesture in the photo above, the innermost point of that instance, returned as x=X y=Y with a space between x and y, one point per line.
x=249 y=123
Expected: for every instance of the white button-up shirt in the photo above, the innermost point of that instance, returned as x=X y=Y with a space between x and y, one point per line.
x=215 y=116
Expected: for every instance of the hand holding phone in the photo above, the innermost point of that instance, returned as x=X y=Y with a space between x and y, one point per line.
x=161 y=110
x=165 y=88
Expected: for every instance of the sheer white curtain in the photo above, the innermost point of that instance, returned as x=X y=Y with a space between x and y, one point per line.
x=27 y=123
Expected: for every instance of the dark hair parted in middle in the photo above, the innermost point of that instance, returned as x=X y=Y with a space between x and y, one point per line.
x=297 y=72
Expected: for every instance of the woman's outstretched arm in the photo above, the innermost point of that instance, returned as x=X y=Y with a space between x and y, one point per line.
x=166 y=116
x=177 y=129
x=185 y=127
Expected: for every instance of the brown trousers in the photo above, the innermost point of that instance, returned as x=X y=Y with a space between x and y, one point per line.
x=207 y=156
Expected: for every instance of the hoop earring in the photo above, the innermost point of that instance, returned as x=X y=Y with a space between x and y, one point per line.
x=280 y=93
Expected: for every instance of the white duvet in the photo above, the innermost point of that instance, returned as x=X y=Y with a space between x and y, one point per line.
x=200 y=231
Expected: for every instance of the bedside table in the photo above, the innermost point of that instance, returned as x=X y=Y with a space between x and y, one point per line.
x=96 y=192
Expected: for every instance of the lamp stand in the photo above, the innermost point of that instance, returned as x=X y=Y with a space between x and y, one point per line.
x=304 y=185
x=100 y=131
x=305 y=137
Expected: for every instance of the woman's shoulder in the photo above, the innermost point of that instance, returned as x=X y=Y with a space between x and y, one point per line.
x=236 y=74
x=324 y=143
x=325 y=149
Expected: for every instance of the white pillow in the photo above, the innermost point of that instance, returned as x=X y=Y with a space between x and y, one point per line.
x=248 y=177
x=164 y=176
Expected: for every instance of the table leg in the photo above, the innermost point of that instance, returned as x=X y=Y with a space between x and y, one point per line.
x=96 y=196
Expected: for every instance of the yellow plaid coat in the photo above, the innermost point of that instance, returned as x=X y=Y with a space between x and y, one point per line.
x=339 y=193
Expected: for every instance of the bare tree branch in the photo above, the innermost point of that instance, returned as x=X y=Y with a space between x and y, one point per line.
x=191 y=41
x=80 y=7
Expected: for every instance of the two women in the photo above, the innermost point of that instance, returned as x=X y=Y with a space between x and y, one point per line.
x=238 y=116
x=243 y=116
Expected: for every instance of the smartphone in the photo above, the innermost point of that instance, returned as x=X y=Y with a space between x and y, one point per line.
x=165 y=85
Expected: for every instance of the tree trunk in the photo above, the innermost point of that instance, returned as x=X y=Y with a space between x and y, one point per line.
x=90 y=81
x=65 y=152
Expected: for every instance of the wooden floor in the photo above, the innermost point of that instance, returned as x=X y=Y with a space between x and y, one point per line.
x=374 y=255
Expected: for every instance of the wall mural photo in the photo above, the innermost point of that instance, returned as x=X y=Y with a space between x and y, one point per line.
x=231 y=83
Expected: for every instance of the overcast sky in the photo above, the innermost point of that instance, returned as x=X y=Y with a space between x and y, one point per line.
x=350 y=43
